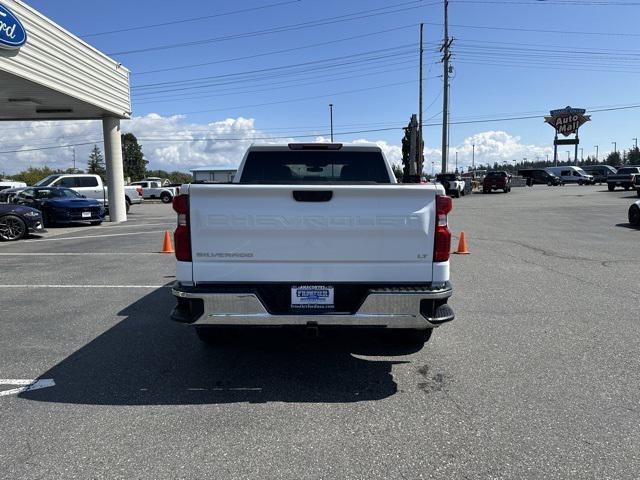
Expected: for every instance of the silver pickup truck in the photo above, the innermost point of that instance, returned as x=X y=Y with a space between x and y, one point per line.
x=313 y=236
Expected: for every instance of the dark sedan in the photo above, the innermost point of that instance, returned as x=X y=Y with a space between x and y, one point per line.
x=62 y=205
x=17 y=221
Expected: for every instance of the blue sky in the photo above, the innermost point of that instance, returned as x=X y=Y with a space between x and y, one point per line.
x=498 y=73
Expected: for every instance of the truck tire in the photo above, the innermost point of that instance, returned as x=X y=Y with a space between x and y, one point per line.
x=627 y=187
x=634 y=215
x=166 y=197
x=611 y=187
x=128 y=204
x=410 y=337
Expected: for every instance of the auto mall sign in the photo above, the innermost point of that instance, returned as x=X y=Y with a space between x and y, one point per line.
x=567 y=121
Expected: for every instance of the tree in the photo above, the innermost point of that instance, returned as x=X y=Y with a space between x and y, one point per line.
x=614 y=159
x=32 y=175
x=634 y=156
x=95 y=165
x=135 y=165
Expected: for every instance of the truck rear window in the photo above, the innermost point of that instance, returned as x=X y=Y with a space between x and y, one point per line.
x=304 y=166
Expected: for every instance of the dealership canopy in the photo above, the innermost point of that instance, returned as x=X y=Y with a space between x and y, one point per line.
x=46 y=73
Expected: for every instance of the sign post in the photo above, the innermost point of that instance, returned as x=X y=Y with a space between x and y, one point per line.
x=566 y=121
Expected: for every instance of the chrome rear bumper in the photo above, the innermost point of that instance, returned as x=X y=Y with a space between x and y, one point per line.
x=382 y=308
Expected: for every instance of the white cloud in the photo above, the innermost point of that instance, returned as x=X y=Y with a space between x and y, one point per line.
x=168 y=144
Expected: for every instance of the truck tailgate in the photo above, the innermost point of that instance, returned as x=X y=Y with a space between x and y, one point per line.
x=248 y=233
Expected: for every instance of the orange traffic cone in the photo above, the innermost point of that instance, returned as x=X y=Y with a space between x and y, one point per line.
x=167 y=246
x=462 y=246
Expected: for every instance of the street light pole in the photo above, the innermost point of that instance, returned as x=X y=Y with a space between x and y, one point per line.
x=635 y=140
x=473 y=157
x=597 y=147
x=456 y=161
x=615 y=147
x=331 y=119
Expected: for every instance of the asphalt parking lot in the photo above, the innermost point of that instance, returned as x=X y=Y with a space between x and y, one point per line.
x=538 y=376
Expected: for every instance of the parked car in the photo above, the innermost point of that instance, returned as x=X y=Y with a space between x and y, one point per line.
x=314 y=236
x=7 y=184
x=496 y=181
x=62 y=205
x=152 y=189
x=18 y=221
x=91 y=186
x=634 y=214
x=569 y=174
x=7 y=195
x=636 y=185
x=625 y=178
x=540 y=176
x=600 y=172
x=452 y=183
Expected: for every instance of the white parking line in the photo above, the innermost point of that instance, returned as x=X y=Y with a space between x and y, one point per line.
x=81 y=286
x=27 y=385
x=91 y=236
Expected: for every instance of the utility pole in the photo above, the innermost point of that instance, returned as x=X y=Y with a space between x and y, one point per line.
x=74 y=159
x=445 y=99
x=568 y=156
x=597 y=147
x=636 y=142
x=615 y=147
x=420 y=136
x=331 y=119
x=582 y=154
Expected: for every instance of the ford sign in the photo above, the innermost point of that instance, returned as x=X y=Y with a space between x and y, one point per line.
x=12 y=33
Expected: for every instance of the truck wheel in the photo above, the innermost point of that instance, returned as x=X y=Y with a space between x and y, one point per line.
x=634 y=215
x=627 y=187
x=128 y=205
x=411 y=337
x=12 y=228
x=611 y=187
x=165 y=197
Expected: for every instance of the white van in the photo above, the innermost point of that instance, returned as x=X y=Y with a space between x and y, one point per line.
x=572 y=175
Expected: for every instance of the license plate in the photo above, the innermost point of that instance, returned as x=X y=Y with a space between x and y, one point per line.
x=86 y=214
x=312 y=297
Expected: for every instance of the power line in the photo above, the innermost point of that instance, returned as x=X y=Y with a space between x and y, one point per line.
x=521 y=29
x=354 y=132
x=395 y=48
x=389 y=9
x=192 y=19
x=273 y=52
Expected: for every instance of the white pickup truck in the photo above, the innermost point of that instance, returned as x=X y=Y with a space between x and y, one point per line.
x=152 y=189
x=91 y=186
x=313 y=235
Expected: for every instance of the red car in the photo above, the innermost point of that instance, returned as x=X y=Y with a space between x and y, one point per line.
x=496 y=181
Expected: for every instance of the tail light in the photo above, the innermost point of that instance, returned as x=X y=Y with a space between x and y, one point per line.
x=139 y=190
x=182 y=236
x=442 y=242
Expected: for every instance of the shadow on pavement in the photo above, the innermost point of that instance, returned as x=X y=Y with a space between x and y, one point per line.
x=147 y=359
x=628 y=225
